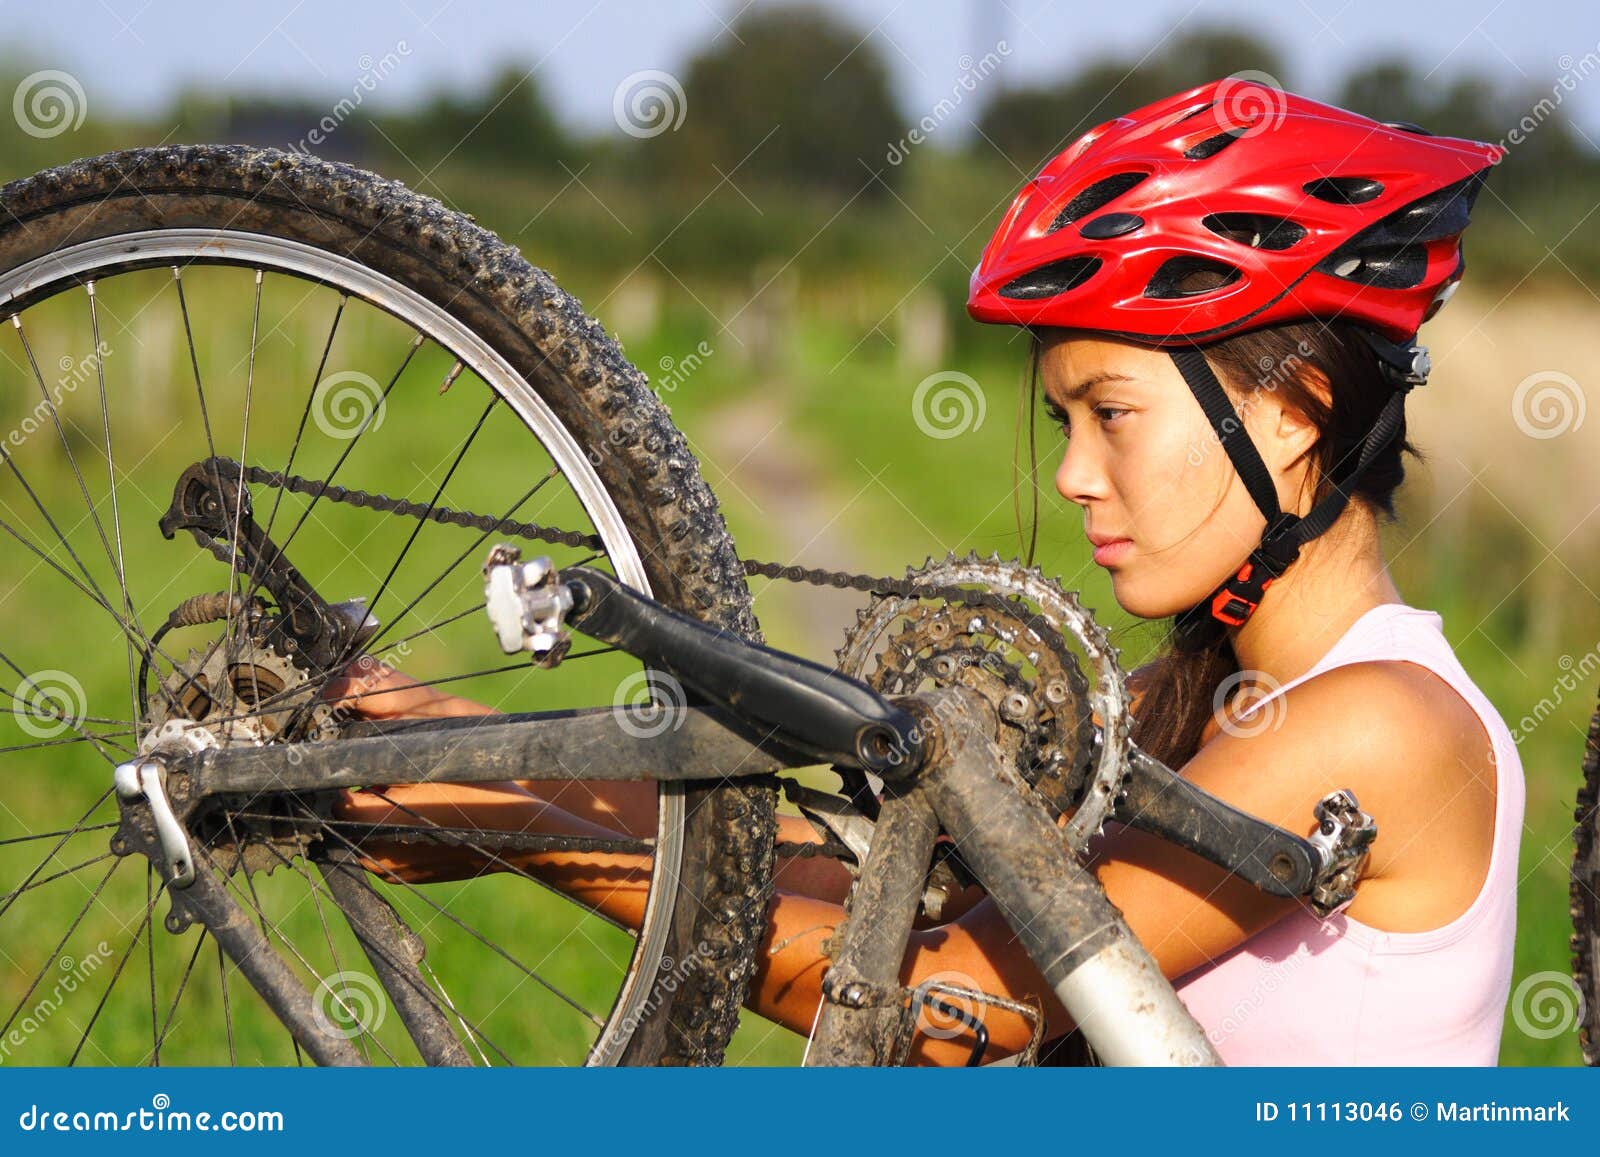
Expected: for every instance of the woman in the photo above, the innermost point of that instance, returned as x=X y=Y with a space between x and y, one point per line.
x=1241 y=270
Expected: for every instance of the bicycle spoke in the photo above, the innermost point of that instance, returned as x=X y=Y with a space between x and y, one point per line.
x=144 y=923
x=66 y=443
x=227 y=1004
x=462 y=557
x=55 y=953
x=299 y=433
x=244 y=456
x=183 y=983
x=282 y=548
x=10 y=897
x=5 y=906
x=598 y=1022
x=49 y=835
x=270 y=928
x=150 y=946
x=111 y=478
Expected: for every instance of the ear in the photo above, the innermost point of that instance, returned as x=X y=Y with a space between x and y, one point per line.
x=1294 y=435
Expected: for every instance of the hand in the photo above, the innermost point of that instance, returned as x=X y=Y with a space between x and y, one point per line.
x=375 y=690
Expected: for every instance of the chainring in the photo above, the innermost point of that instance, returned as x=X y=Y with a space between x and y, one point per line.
x=1019 y=647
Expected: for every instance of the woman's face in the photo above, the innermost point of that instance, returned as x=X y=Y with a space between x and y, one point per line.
x=1145 y=465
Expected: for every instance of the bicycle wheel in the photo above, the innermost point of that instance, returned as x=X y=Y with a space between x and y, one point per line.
x=1585 y=897
x=312 y=321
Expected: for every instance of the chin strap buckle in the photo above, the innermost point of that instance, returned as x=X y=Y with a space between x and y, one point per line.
x=1236 y=599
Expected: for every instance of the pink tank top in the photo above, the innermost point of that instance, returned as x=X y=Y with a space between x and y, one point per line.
x=1305 y=991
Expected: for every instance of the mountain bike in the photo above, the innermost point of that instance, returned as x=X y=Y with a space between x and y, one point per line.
x=272 y=416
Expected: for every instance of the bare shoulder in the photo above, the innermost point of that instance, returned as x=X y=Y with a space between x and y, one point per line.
x=1400 y=738
x=1416 y=756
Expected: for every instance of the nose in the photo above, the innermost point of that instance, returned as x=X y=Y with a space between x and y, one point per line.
x=1081 y=477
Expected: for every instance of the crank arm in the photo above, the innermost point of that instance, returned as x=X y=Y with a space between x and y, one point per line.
x=1158 y=800
x=800 y=704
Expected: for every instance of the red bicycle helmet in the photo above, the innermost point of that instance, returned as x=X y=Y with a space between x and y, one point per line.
x=1230 y=207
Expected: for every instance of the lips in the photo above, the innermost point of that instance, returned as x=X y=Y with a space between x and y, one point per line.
x=1108 y=549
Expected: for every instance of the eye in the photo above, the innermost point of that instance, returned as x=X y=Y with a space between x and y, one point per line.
x=1109 y=414
x=1058 y=416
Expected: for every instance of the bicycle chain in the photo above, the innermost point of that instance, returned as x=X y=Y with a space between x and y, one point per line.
x=531 y=531
x=911 y=586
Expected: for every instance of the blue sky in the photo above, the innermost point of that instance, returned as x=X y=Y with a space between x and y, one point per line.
x=134 y=55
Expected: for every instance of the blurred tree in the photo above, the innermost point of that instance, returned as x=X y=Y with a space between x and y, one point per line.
x=788 y=95
x=508 y=125
x=1031 y=124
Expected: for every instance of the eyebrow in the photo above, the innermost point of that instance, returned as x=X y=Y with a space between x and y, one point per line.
x=1090 y=382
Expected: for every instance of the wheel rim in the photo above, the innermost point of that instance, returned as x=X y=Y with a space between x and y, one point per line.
x=36 y=281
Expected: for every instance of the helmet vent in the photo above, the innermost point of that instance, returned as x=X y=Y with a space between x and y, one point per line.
x=1407 y=127
x=1343 y=190
x=1189 y=276
x=1049 y=280
x=1257 y=230
x=1096 y=196
x=1211 y=146
x=1383 y=267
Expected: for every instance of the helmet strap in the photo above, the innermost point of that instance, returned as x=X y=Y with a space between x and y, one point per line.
x=1236 y=598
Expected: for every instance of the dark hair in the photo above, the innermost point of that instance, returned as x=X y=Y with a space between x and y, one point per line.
x=1176 y=689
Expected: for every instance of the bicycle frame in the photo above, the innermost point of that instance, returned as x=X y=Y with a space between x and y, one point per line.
x=768 y=711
